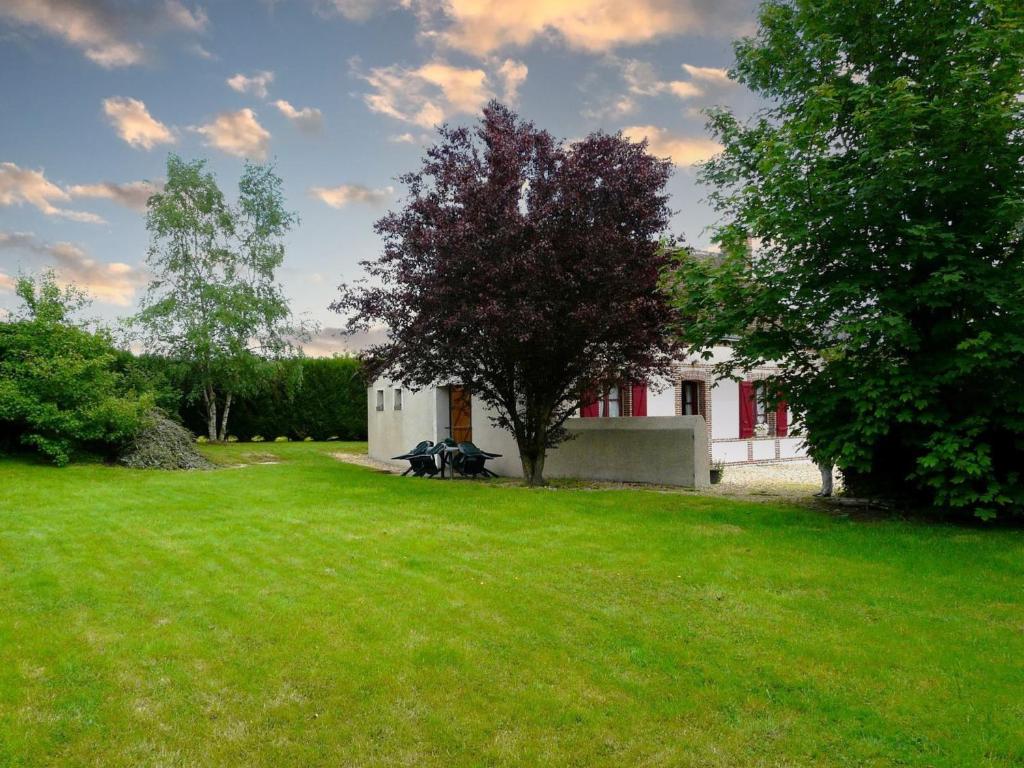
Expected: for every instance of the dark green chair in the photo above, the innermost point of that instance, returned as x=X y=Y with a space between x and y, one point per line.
x=421 y=460
x=471 y=461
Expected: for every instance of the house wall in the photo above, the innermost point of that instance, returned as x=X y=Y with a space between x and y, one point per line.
x=392 y=433
x=661 y=403
x=725 y=409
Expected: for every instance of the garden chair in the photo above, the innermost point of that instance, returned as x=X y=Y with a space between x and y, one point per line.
x=471 y=461
x=421 y=460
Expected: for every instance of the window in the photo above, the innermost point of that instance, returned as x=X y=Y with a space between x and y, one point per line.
x=613 y=403
x=398 y=399
x=691 y=405
x=760 y=403
x=380 y=399
x=607 y=404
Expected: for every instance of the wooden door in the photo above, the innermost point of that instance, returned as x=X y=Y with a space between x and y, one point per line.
x=461 y=414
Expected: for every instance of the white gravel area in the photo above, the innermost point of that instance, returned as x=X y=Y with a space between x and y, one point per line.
x=787 y=478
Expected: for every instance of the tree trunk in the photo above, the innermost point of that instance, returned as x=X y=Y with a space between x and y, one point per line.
x=211 y=412
x=533 y=468
x=532 y=454
x=224 y=418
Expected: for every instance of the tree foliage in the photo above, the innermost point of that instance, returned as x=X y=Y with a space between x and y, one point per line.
x=60 y=392
x=525 y=269
x=886 y=185
x=214 y=302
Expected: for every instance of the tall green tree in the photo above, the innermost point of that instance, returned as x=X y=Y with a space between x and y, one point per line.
x=885 y=183
x=214 y=302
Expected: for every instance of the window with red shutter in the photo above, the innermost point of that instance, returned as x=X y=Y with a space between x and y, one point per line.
x=782 y=419
x=590 y=408
x=747 y=409
x=639 y=397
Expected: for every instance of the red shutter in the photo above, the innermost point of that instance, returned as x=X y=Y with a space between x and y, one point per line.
x=782 y=419
x=639 y=399
x=590 y=406
x=746 y=409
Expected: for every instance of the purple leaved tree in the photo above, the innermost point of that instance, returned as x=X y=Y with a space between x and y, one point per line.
x=525 y=269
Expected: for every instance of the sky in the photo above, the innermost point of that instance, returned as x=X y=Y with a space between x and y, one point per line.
x=342 y=96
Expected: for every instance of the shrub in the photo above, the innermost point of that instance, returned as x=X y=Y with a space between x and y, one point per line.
x=232 y=439
x=257 y=438
x=163 y=444
x=60 y=391
x=202 y=439
x=281 y=439
x=307 y=439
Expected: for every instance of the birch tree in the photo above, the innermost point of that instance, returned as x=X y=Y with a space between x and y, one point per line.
x=213 y=302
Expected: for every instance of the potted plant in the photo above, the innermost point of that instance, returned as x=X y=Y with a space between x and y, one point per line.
x=717 y=471
x=761 y=430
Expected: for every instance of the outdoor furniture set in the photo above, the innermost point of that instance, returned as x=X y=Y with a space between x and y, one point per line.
x=429 y=460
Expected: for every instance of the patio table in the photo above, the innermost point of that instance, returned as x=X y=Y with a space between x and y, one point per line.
x=447 y=454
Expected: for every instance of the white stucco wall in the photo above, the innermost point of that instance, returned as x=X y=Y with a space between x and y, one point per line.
x=392 y=433
x=661 y=403
x=725 y=409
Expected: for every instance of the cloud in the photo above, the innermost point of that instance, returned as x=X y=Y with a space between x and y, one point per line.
x=342 y=195
x=482 y=27
x=133 y=194
x=641 y=80
x=134 y=124
x=22 y=185
x=712 y=75
x=185 y=18
x=683 y=150
x=426 y=96
x=237 y=133
x=109 y=282
x=353 y=10
x=198 y=50
x=255 y=84
x=106 y=32
x=512 y=75
x=307 y=119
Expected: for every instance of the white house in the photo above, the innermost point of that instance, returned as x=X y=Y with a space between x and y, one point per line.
x=733 y=422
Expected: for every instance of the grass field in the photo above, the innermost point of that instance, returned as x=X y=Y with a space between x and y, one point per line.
x=310 y=612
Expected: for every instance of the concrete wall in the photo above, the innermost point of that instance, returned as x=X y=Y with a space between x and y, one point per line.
x=666 y=450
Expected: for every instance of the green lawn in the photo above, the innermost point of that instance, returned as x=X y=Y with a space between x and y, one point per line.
x=311 y=612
